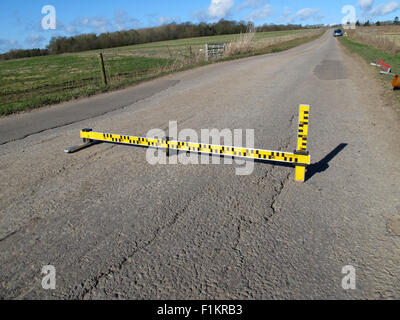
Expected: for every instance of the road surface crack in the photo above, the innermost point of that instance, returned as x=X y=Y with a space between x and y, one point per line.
x=9 y=235
x=278 y=192
x=90 y=285
x=282 y=183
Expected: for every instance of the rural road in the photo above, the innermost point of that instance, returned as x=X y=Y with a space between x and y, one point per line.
x=116 y=227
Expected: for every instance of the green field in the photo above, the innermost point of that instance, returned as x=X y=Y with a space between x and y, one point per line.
x=155 y=47
x=34 y=82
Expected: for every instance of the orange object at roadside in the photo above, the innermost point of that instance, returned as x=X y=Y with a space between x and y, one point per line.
x=396 y=82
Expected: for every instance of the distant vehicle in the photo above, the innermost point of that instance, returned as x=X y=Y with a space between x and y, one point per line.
x=338 y=33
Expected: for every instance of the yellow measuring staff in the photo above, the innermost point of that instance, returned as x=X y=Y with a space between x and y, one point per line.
x=300 y=158
x=302 y=139
x=253 y=154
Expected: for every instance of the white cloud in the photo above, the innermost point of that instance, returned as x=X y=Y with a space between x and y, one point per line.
x=167 y=20
x=366 y=5
x=151 y=19
x=305 y=14
x=124 y=22
x=252 y=4
x=260 y=14
x=285 y=14
x=34 y=24
x=380 y=10
x=199 y=15
x=7 y=45
x=13 y=43
x=71 y=29
x=84 y=22
x=220 y=8
x=100 y=24
x=384 y=9
x=77 y=25
x=35 y=40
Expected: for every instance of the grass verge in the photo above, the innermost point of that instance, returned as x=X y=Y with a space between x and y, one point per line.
x=371 y=54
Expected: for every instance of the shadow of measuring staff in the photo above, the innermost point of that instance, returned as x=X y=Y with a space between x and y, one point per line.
x=323 y=164
x=314 y=168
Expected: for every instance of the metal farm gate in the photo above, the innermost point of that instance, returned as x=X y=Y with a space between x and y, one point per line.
x=214 y=50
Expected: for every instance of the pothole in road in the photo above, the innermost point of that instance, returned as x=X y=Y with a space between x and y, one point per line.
x=330 y=70
x=393 y=226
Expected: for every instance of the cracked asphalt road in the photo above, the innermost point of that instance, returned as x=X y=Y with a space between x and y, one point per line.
x=116 y=227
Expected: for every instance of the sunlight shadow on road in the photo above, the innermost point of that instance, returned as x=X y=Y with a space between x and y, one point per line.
x=323 y=165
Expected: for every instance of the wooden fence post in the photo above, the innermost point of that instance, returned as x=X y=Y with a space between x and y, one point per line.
x=103 y=70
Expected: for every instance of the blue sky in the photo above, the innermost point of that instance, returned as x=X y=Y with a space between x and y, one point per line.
x=20 y=20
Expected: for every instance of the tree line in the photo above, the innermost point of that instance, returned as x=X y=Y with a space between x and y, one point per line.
x=171 y=31
x=20 y=53
x=368 y=23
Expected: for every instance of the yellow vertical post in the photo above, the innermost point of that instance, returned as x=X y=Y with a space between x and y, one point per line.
x=304 y=116
x=300 y=173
